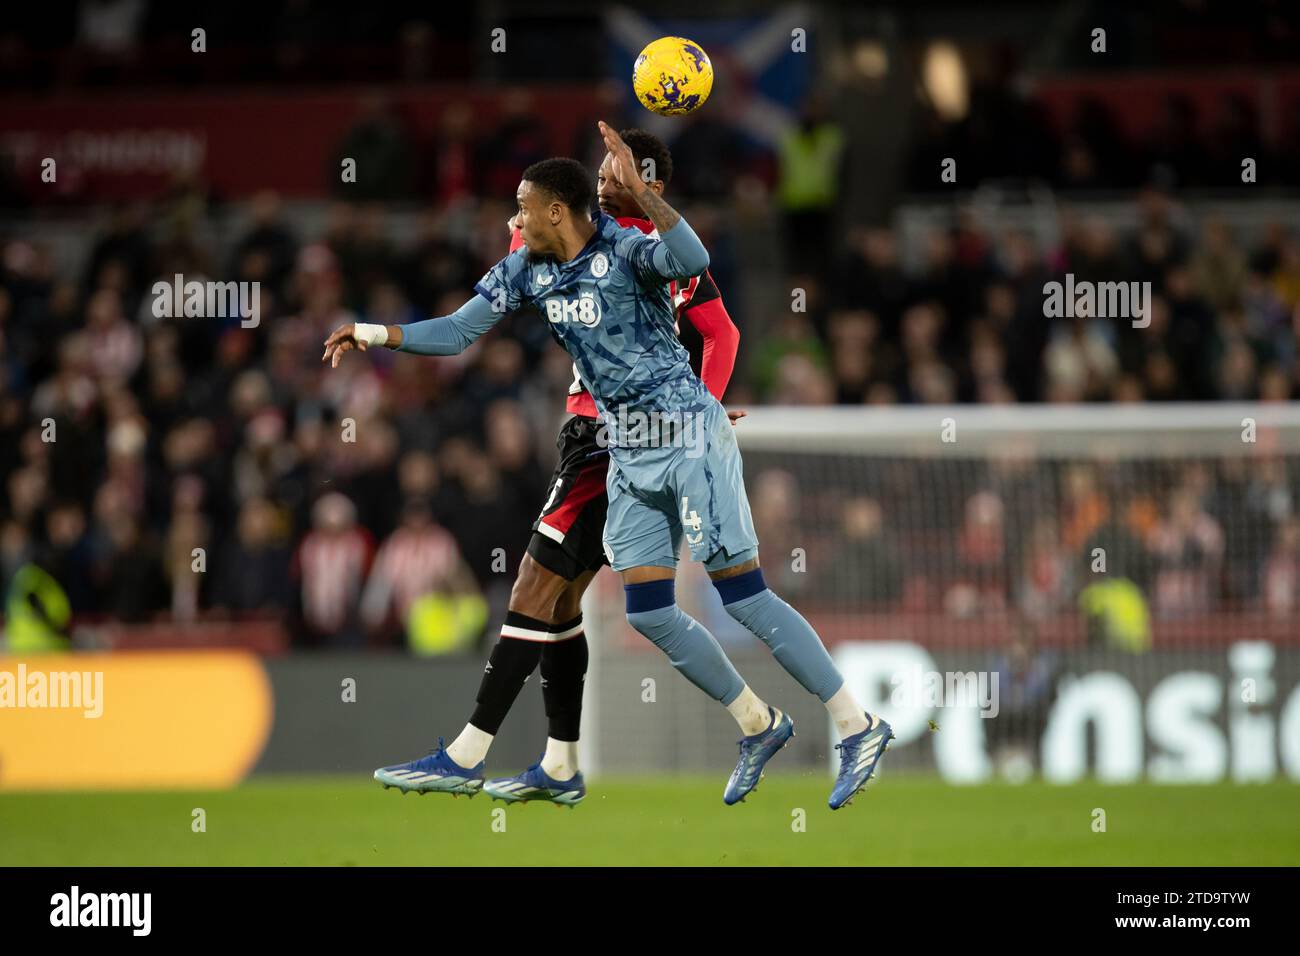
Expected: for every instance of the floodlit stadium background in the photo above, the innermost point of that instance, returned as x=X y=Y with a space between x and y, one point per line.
x=934 y=465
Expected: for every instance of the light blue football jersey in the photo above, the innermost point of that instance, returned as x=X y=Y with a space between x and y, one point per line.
x=611 y=311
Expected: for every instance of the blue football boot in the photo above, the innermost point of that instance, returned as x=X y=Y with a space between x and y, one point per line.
x=859 y=755
x=536 y=784
x=756 y=751
x=435 y=772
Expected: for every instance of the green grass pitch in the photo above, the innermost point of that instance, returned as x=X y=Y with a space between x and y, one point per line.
x=680 y=821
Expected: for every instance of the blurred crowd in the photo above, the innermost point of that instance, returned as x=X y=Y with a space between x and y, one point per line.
x=1190 y=144
x=85 y=43
x=967 y=323
x=195 y=465
x=191 y=467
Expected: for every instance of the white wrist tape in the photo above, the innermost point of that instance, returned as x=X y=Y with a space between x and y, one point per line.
x=371 y=334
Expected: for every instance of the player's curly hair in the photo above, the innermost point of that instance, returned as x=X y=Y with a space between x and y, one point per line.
x=645 y=146
x=565 y=179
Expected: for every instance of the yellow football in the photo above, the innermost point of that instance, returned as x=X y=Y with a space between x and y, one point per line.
x=672 y=76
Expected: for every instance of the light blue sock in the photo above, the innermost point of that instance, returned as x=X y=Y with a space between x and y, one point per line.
x=652 y=609
x=792 y=639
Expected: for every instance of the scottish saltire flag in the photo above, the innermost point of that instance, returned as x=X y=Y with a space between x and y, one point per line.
x=757 y=77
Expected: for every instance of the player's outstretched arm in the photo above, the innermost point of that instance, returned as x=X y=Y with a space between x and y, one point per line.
x=679 y=252
x=445 y=335
x=450 y=334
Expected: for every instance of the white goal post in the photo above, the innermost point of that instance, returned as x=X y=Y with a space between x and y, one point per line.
x=1068 y=430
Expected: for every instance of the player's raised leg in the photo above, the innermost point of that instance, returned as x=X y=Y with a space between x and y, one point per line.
x=566 y=546
x=564 y=672
x=695 y=653
x=642 y=540
x=720 y=531
x=556 y=777
x=544 y=622
x=798 y=649
x=459 y=768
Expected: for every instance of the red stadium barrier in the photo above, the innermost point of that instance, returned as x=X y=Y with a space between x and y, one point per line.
x=243 y=141
x=266 y=637
x=1137 y=101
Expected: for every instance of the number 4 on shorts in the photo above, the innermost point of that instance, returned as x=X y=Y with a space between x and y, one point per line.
x=691 y=521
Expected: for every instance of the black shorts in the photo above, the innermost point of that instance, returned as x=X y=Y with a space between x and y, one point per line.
x=568 y=536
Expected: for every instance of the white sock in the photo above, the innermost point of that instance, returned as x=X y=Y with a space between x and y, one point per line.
x=471 y=747
x=560 y=762
x=751 y=713
x=847 y=713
